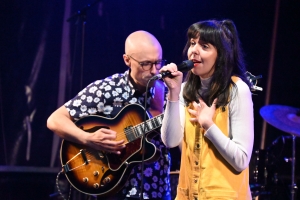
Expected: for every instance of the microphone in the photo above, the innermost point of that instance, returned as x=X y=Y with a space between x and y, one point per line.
x=183 y=67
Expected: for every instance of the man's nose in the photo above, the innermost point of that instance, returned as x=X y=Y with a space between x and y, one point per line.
x=153 y=69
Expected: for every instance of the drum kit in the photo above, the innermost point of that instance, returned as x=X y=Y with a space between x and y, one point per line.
x=287 y=119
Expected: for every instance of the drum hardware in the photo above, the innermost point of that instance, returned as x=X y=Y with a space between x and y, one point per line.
x=282 y=138
x=293 y=185
x=287 y=119
x=261 y=176
x=265 y=181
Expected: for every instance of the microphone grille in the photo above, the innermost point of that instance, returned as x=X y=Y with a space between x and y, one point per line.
x=186 y=65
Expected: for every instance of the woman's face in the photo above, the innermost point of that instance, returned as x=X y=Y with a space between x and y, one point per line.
x=204 y=56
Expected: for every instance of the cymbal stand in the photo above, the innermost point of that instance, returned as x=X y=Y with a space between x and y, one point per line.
x=293 y=185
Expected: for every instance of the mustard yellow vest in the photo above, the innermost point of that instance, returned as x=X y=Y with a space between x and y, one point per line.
x=204 y=173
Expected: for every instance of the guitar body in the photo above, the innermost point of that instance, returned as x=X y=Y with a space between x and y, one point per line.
x=100 y=173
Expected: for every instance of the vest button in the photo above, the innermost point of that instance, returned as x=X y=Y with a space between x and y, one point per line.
x=196 y=162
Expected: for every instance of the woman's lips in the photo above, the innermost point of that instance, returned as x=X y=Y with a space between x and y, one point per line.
x=196 y=62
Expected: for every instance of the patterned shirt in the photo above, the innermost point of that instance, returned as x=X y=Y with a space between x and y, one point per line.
x=107 y=97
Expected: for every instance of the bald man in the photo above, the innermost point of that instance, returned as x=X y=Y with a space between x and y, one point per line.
x=107 y=98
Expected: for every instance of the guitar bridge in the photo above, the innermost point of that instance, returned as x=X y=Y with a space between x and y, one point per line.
x=85 y=160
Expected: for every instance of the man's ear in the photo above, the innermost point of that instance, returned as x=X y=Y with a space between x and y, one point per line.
x=126 y=60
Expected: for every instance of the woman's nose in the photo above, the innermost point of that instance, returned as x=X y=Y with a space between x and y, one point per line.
x=194 y=49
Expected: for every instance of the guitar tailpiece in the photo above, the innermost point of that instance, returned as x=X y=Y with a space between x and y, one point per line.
x=65 y=168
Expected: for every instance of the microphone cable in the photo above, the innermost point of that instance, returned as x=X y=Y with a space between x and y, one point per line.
x=143 y=142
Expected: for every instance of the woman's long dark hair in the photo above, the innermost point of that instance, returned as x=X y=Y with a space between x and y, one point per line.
x=230 y=61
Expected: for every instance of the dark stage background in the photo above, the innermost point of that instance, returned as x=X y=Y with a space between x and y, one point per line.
x=37 y=44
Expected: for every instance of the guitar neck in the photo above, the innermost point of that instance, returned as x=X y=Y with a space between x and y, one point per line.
x=134 y=132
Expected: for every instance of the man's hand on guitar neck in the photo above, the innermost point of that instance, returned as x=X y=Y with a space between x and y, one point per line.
x=105 y=140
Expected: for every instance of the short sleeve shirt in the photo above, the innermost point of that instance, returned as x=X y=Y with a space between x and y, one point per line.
x=107 y=97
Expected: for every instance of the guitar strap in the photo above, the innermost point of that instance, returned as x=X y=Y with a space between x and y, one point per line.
x=157 y=103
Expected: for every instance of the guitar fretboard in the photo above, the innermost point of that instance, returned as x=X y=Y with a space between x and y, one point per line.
x=134 y=132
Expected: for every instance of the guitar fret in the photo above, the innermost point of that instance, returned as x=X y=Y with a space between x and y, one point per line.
x=160 y=118
x=153 y=123
x=149 y=124
x=137 y=131
x=156 y=123
x=145 y=128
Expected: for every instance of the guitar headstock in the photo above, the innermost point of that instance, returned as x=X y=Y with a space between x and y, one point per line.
x=253 y=80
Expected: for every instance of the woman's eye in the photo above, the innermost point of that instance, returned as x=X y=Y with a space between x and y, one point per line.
x=204 y=46
x=193 y=43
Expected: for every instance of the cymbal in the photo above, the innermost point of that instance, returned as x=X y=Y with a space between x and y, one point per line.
x=285 y=118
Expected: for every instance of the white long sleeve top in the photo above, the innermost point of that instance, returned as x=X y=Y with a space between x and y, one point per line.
x=237 y=148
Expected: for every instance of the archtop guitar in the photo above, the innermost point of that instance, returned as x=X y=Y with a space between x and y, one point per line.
x=101 y=173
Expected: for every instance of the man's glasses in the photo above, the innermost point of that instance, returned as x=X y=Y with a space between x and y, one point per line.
x=147 y=65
